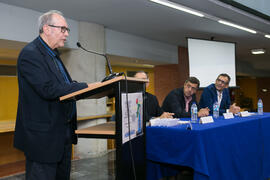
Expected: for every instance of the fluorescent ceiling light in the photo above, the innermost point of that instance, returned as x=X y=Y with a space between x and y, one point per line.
x=178 y=7
x=237 y=26
x=258 y=51
x=267 y=36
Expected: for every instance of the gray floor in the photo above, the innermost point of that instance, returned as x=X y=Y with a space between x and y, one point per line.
x=99 y=168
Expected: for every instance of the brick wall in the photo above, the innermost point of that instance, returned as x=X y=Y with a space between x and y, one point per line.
x=169 y=77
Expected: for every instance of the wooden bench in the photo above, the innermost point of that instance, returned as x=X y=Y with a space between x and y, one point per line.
x=83 y=118
x=9 y=124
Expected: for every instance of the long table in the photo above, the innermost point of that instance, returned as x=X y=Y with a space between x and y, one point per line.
x=227 y=149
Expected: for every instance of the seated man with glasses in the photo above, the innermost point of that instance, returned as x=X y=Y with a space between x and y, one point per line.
x=219 y=92
x=179 y=100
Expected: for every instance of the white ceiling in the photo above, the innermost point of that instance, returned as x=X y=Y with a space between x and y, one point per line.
x=153 y=21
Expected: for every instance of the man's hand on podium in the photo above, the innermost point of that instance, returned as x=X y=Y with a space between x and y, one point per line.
x=94 y=84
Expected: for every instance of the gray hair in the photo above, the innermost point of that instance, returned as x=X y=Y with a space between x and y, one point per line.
x=46 y=18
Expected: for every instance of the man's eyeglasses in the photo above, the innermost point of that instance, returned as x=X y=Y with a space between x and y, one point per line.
x=63 y=28
x=192 y=88
x=221 y=81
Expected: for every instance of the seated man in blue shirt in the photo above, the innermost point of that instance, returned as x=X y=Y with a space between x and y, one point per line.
x=179 y=100
x=219 y=92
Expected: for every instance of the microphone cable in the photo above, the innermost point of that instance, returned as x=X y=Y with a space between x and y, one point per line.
x=130 y=144
x=111 y=76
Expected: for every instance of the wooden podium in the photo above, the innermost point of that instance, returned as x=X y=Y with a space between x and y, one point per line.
x=132 y=151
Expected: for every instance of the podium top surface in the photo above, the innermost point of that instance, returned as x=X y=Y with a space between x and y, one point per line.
x=96 y=85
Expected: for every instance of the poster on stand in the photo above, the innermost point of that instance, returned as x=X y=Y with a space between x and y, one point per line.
x=132 y=126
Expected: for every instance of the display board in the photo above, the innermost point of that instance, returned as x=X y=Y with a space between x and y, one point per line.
x=208 y=59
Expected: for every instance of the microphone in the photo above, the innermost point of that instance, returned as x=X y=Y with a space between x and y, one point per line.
x=112 y=74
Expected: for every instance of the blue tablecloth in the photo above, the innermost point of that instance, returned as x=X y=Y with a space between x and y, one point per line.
x=227 y=149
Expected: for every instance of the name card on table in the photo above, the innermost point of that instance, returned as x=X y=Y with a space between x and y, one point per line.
x=207 y=119
x=245 y=114
x=228 y=115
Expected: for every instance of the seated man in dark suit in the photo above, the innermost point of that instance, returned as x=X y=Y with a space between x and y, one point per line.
x=219 y=92
x=153 y=110
x=179 y=100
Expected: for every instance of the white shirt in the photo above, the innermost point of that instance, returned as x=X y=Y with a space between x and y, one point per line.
x=219 y=97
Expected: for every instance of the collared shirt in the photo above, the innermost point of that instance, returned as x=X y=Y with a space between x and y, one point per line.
x=187 y=100
x=219 y=97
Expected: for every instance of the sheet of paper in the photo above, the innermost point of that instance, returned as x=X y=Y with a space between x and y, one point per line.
x=246 y=114
x=167 y=122
x=134 y=126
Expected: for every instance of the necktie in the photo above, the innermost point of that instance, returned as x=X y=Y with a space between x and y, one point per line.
x=62 y=70
x=187 y=100
x=64 y=74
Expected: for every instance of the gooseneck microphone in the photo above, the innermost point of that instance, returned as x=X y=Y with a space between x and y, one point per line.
x=112 y=74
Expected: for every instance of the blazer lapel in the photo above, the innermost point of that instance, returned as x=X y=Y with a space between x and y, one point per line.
x=224 y=97
x=54 y=68
x=215 y=95
x=49 y=60
x=68 y=76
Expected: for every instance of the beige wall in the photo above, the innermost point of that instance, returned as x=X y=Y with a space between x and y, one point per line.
x=87 y=67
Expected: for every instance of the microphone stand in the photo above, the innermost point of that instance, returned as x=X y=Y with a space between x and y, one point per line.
x=112 y=74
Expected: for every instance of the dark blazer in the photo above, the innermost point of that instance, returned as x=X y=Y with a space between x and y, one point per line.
x=209 y=96
x=175 y=103
x=152 y=106
x=41 y=123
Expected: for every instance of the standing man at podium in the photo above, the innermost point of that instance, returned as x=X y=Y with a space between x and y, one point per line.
x=45 y=126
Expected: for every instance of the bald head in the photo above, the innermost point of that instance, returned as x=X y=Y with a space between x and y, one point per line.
x=142 y=75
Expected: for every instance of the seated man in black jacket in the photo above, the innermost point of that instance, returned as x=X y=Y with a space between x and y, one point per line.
x=153 y=110
x=179 y=100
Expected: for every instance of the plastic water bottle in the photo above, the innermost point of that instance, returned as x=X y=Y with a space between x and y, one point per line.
x=260 y=107
x=215 y=110
x=194 y=113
